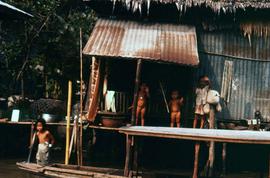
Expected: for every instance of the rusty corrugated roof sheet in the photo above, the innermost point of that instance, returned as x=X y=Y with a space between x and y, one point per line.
x=158 y=42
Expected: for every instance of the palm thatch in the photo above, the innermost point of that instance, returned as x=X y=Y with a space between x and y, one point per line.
x=216 y=5
x=261 y=29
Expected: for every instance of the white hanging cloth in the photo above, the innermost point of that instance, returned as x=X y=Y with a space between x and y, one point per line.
x=110 y=101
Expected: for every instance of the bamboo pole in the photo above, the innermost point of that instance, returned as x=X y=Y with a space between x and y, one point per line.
x=31 y=147
x=164 y=97
x=72 y=140
x=68 y=121
x=81 y=99
x=32 y=132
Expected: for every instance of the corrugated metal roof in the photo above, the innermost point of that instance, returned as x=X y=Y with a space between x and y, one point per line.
x=158 y=42
x=251 y=77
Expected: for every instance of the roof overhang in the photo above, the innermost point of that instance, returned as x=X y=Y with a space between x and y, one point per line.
x=216 y=5
x=149 y=41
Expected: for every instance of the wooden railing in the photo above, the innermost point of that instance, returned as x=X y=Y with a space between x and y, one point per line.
x=124 y=100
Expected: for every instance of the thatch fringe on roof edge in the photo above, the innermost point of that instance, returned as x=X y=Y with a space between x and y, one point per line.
x=261 y=29
x=216 y=5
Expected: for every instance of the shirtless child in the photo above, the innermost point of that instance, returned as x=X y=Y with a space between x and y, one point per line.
x=46 y=140
x=141 y=103
x=175 y=108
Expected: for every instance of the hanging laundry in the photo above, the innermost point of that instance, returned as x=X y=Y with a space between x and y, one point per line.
x=110 y=101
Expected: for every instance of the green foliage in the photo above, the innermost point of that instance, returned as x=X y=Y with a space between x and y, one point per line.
x=49 y=40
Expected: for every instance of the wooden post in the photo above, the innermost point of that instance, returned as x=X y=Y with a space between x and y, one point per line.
x=127 y=161
x=269 y=166
x=212 y=117
x=133 y=120
x=77 y=139
x=136 y=88
x=196 y=160
x=211 y=158
x=32 y=132
x=224 y=150
x=135 y=155
x=212 y=143
x=68 y=121
x=81 y=100
x=209 y=166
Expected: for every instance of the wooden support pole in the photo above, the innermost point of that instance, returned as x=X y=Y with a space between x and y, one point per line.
x=133 y=122
x=135 y=155
x=212 y=117
x=196 y=160
x=68 y=121
x=127 y=161
x=77 y=140
x=269 y=165
x=209 y=166
x=136 y=88
x=81 y=101
x=32 y=132
x=212 y=143
x=224 y=153
x=211 y=158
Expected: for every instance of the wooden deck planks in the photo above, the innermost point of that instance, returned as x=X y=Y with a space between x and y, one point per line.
x=71 y=171
x=217 y=135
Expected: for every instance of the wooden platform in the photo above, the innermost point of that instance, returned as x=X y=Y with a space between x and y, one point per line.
x=29 y=123
x=217 y=135
x=70 y=171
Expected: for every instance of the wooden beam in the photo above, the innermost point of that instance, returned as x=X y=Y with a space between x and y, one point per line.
x=136 y=88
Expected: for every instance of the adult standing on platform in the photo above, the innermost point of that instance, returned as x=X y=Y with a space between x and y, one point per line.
x=204 y=85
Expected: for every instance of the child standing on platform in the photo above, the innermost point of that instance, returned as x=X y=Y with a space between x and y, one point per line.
x=175 y=108
x=46 y=140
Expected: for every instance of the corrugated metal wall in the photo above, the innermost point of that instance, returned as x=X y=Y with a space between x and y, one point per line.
x=251 y=76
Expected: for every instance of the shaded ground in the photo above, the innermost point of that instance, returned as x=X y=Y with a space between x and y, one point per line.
x=8 y=169
x=155 y=154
